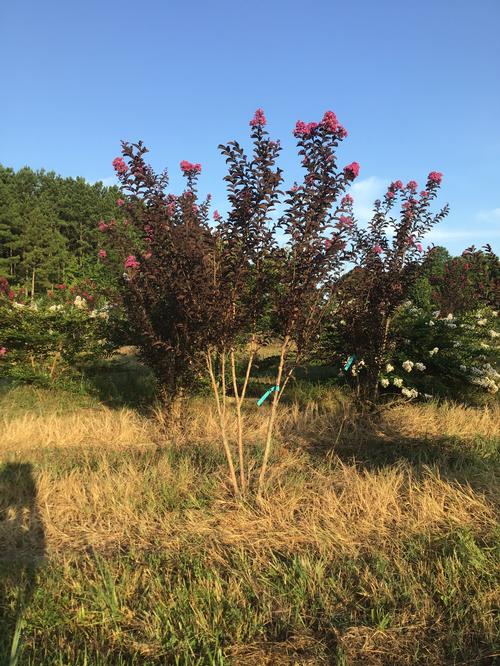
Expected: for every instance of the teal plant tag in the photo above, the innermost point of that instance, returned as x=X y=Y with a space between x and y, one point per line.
x=266 y=394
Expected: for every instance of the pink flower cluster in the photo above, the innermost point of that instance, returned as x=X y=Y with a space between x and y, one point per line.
x=435 y=177
x=217 y=215
x=102 y=254
x=377 y=249
x=3 y=352
x=259 y=119
x=347 y=200
x=102 y=226
x=345 y=221
x=412 y=185
x=352 y=170
x=119 y=165
x=303 y=129
x=396 y=185
x=189 y=168
x=331 y=123
x=120 y=202
x=131 y=262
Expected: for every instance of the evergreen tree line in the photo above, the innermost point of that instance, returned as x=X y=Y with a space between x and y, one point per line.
x=48 y=227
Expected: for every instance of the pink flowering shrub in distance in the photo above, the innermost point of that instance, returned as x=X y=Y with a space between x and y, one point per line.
x=385 y=271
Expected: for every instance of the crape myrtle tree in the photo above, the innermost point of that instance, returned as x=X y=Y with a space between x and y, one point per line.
x=387 y=265
x=167 y=250
x=468 y=281
x=197 y=293
x=257 y=275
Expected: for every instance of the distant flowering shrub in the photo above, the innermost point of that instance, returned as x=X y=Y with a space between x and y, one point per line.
x=386 y=267
x=457 y=355
x=44 y=341
x=468 y=281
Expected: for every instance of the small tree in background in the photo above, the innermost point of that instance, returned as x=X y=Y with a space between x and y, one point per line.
x=387 y=269
x=467 y=282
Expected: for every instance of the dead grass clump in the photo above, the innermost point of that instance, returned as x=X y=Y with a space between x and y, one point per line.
x=444 y=420
x=101 y=428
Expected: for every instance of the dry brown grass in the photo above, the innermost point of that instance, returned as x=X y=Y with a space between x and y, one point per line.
x=99 y=502
x=114 y=482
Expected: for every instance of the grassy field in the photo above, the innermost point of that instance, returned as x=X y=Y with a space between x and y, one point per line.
x=120 y=542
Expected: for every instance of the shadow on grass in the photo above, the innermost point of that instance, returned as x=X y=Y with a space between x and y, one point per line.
x=374 y=446
x=22 y=551
x=122 y=382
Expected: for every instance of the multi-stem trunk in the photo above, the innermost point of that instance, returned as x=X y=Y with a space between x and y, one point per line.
x=221 y=411
x=272 y=416
x=239 y=398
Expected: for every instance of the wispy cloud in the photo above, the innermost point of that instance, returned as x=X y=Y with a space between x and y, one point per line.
x=489 y=216
x=365 y=192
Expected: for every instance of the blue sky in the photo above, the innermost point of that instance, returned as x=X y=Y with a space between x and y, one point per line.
x=416 y=85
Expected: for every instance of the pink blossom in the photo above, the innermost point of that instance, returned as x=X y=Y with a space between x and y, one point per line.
x=352 y=170
x=412 y=185
x=102 y=254
x=147 y=255
x=217 y=215
x=120 y=202
x=131 y=262
x=342 y=132
x=3 y=351
x=347 y=200
x=303 y=129
x=396 y=185
x=328 y=244
x=424 y=194
x=294 y=188
x=170 y=209
x=390 y=195
x=330 y=121
x=345 y=221
x=189 y=168
x=194 y=208
x=419 y=247
x=410 y=240
x=61 y=286
x=102 y=226
x=119 y=165
x=435 y=177
x=377 y=249
x=258 y=119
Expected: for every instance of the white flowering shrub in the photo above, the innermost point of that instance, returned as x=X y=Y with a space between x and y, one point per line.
x=433 y=356
x=44 y=342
